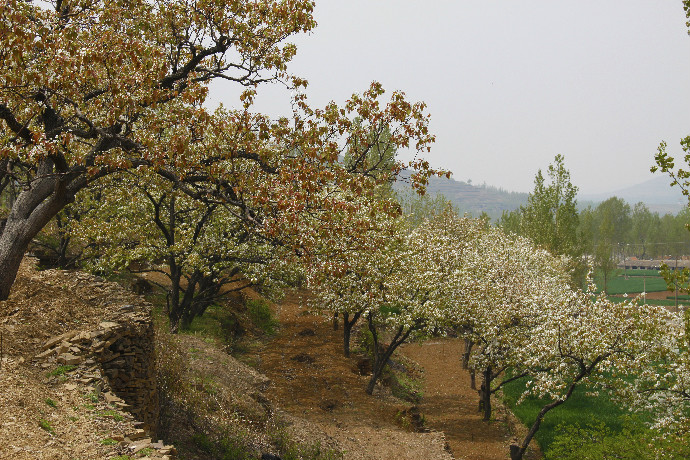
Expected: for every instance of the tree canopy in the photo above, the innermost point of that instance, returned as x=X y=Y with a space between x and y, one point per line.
x=88 y=89
x=550 y=218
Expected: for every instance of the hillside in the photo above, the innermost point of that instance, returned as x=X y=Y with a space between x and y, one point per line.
x=474 y=199
x=293 y=394
x=57 y=409
x=656 y=193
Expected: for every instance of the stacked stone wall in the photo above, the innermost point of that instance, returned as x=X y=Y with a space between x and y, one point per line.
x=120 y=353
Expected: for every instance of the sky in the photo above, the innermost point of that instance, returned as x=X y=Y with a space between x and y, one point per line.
x=511 y=84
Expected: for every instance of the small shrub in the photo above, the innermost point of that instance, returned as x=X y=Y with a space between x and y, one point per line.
x=51 y=403
x=108 y=442
x=411 y=419
x=262 y=316
x=291 y=450
x=202 y=442
x=146 y=451
x=61 y=370
x=365 y=342
x=232 y=449
x=45 y=424
x=227 y=448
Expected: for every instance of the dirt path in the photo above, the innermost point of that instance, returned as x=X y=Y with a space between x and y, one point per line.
x=311 y=379
x=450 y=405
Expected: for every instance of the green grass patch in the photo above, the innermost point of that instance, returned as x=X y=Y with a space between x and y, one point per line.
x=581 y=409
x=93 y=396
x=634 y=442
x=667 y=303
x=111 y=414
x=618 y=283
x=108 y=442
x=208 y=323
x=262 y=316
x=219 y=325
x=61 y=370
x=51 y=403
x=45 y=425
x=406 y=388
x=680 y=297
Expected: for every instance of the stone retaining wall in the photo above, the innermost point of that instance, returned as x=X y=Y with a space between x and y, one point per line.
x=123 y=349
x=118 y=357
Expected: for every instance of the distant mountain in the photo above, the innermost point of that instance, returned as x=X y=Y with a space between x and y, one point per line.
x=475 y=199
x=656 y=193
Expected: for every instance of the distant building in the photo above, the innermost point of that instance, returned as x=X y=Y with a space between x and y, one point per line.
x=633 y=263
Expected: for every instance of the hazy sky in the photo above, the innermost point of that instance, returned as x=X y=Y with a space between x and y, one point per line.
x=511 y=84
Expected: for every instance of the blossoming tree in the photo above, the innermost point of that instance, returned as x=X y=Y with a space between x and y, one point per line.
x=504 y=286
x=90 y=88
x=588 y=340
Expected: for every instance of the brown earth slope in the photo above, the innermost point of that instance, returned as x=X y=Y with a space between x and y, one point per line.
x=59 y=417
x=312 y=379
x=45 y=412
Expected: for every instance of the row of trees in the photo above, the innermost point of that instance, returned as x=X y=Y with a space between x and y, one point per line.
x=103 y=120
x=603 y=235
x=512 y=303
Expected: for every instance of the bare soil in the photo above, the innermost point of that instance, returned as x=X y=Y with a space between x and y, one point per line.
x=311 y=379
x=45 y=414
x=660 y=295
x=321 y=391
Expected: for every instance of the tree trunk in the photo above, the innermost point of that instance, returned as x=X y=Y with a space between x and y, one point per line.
x=13 y=244
x=517 y=454
x=335 y=322
x=347 y=331
x=348 y=324
x=379 y=365
x=381 y=358
x=486 y=394
x=375 y=371
x=473 y=380
x=175 y=313
x=466 y=355
x=32 y=210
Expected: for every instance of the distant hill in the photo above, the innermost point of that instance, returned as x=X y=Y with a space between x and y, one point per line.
x=475 y=199
x=656 y=193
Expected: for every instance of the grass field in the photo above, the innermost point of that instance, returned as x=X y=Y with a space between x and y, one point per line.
x=632 y=281
x=580 y=409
